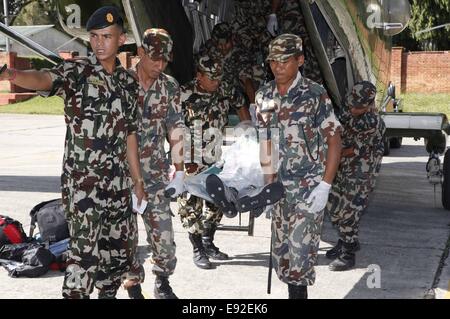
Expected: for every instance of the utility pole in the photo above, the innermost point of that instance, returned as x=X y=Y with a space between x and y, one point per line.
x=5 y=8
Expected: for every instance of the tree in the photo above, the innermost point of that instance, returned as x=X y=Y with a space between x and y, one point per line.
x=427 y=14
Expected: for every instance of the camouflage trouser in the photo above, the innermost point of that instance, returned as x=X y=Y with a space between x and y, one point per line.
x=103 y=234
x=345 y=205
x=292 y=21
x=160 y=236
x=197 y=214
x=295 y=242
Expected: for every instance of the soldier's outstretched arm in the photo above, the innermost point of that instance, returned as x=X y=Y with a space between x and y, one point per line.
x=32 y=80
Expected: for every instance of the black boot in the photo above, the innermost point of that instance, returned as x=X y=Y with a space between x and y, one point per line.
x=297 y=292
x=334 y=252
x=200 y=258
x=252 y=199
x=346 y=259
x=135 y=292
x=212 y=250
x=163 y=289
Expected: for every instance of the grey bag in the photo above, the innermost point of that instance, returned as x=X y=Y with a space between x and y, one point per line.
x=51 y=221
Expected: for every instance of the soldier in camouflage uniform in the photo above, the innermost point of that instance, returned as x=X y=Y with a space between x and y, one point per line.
x=299 y=112
x=100 y=114
x=237 y=66
x=286 y=17
x=205 y=108
x=160 y=119
x=251 y=35
x=362 y=153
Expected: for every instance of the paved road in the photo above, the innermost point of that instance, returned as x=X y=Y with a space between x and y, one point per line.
x=403 y=235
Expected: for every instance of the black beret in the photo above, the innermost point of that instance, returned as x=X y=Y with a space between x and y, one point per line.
x=103 y=18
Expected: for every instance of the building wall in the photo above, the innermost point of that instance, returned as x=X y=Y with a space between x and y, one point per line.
x=421 y=72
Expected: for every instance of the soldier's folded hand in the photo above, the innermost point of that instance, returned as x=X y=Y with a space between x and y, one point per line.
x=140 y=192
x=319 y=197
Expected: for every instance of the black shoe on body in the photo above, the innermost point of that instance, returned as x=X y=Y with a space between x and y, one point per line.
x=135 y=292
x=297 y=292
x=259 y=198
x=223 y=196
x=162 y=289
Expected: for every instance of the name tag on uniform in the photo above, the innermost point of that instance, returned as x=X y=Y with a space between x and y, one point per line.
x=96 y=81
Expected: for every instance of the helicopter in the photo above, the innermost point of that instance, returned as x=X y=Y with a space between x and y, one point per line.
x=362 y=31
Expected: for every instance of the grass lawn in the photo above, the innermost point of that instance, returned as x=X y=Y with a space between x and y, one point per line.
x=36 y=105
x=419 y=102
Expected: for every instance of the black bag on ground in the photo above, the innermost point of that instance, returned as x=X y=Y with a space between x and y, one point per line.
x=51 y=221
x=11 y=231
x=26 y=260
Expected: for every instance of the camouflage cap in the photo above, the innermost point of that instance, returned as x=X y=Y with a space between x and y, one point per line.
x=212 y=68
x=103 y=18
x=362 y=95
x=158 y=44
x=284 y=46
x=222 y=33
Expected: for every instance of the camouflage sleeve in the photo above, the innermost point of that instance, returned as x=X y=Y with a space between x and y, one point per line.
x=379 y=139
x=175 y=118
x=368 y=137
x=245 y=66
x=344 y=114
x=132 y=108
x=64 y=77
x=235 y=97
x=186 y=105
x=329 y=123
x=263 y=119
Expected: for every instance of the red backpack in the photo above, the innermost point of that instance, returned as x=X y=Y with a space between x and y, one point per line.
x=11 y=231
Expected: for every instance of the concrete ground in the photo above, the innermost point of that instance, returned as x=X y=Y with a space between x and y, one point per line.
x=403 y=234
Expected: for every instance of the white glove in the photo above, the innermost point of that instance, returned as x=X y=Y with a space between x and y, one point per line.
x=272 y=24
x=319 y=197
x=176 y=184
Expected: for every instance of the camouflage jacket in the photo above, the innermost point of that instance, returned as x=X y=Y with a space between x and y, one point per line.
x=100 y=113
x=159 y=112
x=237 y=65
x=250 y=24
x=303 y=118
x=365 y=134
x=208 y=111
x=251 y=13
